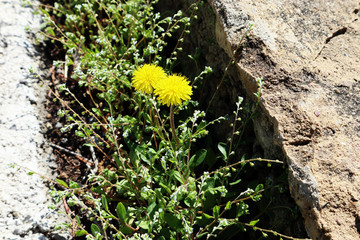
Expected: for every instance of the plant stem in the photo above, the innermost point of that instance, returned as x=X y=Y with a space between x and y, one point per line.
x=173 y=125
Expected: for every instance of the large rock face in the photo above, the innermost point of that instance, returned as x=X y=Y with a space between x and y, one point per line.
x=308 y=53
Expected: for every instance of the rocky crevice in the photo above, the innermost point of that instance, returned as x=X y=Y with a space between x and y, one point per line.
x=314 y=123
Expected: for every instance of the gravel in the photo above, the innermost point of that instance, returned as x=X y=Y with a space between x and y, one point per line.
x=24 y=199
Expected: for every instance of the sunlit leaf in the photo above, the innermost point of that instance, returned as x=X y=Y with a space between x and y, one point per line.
x=121 y=211
x=62 y=183
x=216 y=211
x=95 y=230
x=79 y=233
x=104 y=202
x=222 y=149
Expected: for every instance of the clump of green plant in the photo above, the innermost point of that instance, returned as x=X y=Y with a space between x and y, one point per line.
x=140 y=118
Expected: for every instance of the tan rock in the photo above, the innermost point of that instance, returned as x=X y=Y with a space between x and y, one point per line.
x=308 y=53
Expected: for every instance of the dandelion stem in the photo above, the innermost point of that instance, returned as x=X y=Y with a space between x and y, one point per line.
x=173 y=125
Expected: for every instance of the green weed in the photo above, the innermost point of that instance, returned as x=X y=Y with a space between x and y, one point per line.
x=153 y=185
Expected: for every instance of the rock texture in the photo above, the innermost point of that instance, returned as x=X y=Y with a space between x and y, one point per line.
x=24 y=199
x=308 y=54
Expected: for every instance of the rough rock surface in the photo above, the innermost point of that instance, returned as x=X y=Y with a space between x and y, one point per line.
x=308 y=53
x=24 y=199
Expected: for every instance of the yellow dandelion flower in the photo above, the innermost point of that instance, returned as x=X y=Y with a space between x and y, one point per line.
x=173 y=90
x=145 y=77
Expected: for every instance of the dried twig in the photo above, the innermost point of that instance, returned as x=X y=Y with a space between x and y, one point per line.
x=88 y=163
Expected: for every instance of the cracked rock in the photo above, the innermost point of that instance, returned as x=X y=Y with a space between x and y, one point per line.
x=308 y=54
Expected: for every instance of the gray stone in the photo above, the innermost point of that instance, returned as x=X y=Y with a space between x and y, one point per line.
x=308 y=53
x=24 y=199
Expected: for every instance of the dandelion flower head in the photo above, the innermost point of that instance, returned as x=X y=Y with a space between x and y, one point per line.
x=145 y=77
x=173 y=90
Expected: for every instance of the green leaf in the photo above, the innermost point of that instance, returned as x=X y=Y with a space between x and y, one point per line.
x=73 y=185
x=198 y=158
x=228 y=205
x=216 y=211
x=167 y=189
x=173 y=221
x=104 y=202
x=204 y=220
x=30 y=173
x=95 y=230
x=146 y=117
x=207 y=216
x=80 y=133
x=177 y=176
x=241 y=209
x=234 y=183
x=125 y=230
x=117 y=161
x=98 y=189
x=222 y=149
x=151 y=208
x=96 y=111
x=62 y=183
x=121 y=212
x=89 y=145
x=79 y=233
x=78 y=221
x=253 y=223
x=190 y=200
x=201 y=235
x=144 y=225
x=259 y=187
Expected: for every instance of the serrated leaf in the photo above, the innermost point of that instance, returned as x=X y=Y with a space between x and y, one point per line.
x=121 y=211
x=62 y=183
